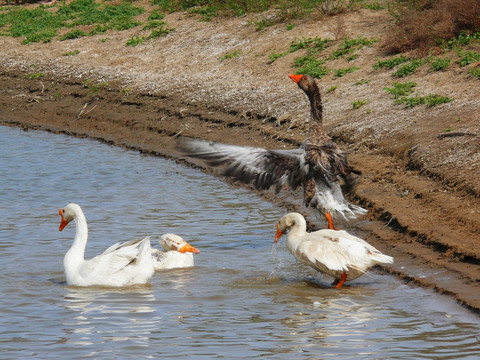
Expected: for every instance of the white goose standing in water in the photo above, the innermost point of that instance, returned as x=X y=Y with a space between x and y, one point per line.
x=332 y=252
x=318 y=165
x=178 y=254
x=124 y=264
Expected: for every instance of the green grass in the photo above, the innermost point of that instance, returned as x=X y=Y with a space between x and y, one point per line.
x=42 y=24
x=361 y=82
x=400 y=90
x=475 y=72
x=390 y=63
x=74 y=34
x=231 y=55
x=358 y=104
x=36 y=76
x=135 y=40
x=332 y=88
x=94 y=87
x=467 y=57
x=409 y=68
x=71 y=53
x=344 y=71
x=350 y=45
x=439 y=64
x=309 y=65
x=428 y=100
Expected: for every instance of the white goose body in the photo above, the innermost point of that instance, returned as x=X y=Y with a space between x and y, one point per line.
x=332 y=252
x=179 y=253
x=120 y=265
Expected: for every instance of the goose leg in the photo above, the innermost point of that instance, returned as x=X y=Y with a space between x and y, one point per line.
x=328 y=216
x=338 y=283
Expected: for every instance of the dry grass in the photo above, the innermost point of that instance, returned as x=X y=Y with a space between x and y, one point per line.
x=423 y=24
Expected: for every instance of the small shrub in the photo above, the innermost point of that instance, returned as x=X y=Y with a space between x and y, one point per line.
x=475 y=72
x=439 y=64
x=409 y=68
x=71 y=53
x=467 y=57
x=231 y=55
x=135 y=40
x=342 y=72
x=361 y=82
x=398 y=90
x=311 y=66
x=429 y=100
x=390 y=63
x=358 y=104
x=74 y=34
x=421 y=24
x=263 y=24
x=36 y=76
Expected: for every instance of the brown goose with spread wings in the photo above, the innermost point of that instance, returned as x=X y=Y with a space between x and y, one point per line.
x=318 y=165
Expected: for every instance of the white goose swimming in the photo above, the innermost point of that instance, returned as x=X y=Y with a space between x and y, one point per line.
x=333 y=252
x=178 y=254
x=121 y=264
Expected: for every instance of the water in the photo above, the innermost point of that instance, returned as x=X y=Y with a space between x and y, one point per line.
x=243 y=299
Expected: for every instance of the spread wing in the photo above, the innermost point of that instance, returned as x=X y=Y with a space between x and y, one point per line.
x=261 y=167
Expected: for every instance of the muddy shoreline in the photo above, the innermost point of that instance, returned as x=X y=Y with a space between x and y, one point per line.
x=428 y=224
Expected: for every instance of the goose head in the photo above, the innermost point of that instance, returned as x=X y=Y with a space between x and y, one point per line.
x=176 y=243
x=305 y=82
x=287 y=222
x=68 y=213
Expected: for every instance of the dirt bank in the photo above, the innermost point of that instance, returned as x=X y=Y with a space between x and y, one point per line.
x=419 y=182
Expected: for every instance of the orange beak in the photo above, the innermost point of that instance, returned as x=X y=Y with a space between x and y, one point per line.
x=189 y=248
x=63 y=223
x=278 y=235
x=295 y=78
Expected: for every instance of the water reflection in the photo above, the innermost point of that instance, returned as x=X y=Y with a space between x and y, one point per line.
x=129 y=313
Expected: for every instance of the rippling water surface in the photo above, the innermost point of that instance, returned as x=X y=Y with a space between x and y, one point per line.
x=243 y=299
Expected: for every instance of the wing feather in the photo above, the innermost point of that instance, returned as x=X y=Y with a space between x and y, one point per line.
x=263 y=168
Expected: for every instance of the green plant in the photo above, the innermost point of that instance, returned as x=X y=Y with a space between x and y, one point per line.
x=475 y=72
x=94 y=88
x=36 y=76
x=74 y=34
x=311 y=66
x=71 y=53
x=290 y=27
x=207 y=12
x=398 y=89
x=135 y=40
x=429 y=100
x=342 y=72
x=390 y=63
x=332 y=88
x=467 y=57
x=439 y=64
x=42 y=24
x=350 y=45
x=375 y=5
x=358 y=104
x=231 y=55
x=409 y=68
x=361 y=82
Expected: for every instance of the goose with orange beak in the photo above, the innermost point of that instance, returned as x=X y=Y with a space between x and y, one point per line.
x=178 y=254
x=319 y=165
x=332 y=252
